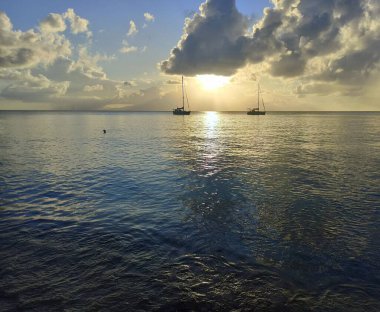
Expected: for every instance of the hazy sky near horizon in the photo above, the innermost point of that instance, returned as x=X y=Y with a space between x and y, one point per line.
x=130 y=55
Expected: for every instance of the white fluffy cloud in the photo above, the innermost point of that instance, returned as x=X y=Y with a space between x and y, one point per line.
x=57 y=23
x=77 y=23
x=5 y=22
x=132 y=29
x=53 y=23
x=30 y=48
x=43 y=66
x=149 y=17
x=27 y=49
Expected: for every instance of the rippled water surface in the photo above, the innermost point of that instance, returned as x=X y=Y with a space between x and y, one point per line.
x=213 y=211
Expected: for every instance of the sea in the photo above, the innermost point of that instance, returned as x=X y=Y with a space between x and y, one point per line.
x=208 y=212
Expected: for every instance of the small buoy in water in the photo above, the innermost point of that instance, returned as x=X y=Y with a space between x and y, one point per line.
x=104 y=131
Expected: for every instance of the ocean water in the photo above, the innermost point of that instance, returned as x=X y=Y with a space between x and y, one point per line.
x=208 y=212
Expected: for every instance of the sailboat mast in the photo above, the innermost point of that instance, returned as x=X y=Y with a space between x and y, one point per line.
x=183 y=96
x=258 y=96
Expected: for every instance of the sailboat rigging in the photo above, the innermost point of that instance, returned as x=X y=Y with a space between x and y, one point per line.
x=181 y=110
x=256 y=110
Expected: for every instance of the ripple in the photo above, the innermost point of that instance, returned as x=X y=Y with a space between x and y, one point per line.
x=276 y=214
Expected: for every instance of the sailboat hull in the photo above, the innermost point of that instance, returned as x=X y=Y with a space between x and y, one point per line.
x=175 y=112
x=255 y=113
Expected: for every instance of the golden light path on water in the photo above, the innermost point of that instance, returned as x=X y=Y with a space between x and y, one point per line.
x=211 y=119
x=211 y=146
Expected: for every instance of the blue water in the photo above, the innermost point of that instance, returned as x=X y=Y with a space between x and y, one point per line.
x=208 y=212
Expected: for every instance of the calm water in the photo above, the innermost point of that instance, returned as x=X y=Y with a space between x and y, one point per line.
x=207 y=212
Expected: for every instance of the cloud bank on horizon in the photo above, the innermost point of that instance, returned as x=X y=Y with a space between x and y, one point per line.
x=330 y=44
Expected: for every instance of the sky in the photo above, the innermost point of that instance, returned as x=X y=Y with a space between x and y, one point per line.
x=307 y=55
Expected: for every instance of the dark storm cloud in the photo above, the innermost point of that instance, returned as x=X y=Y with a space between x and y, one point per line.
x=210 y=40
x=291 y=65
x=341 y=35
x=354 y=67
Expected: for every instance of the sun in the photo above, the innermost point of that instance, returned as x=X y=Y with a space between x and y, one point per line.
x=212 y=82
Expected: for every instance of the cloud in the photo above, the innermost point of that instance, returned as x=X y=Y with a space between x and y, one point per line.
x=151 y=98
x=31 y=48
x=82 y=72
x=335 y=40
x=149 y=17
x=288 y=65
x=315 y=88
x=209 y=43
x=40 y=66
x=27 y=49
x=64 y=81
x=92 y=88
x=77 y=23
x=43 y=67
x=129 y=83
x=132 y=29
x=26 y=87
x=53 y=23
x=127 y=48
x=89 y=87
x=57 y=23
x=173 y=82
x=5 y=22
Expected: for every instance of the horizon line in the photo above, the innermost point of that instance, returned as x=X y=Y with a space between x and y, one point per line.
x=195 y=111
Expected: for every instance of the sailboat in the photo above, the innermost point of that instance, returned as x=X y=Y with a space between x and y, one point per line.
x=181 y=110
x=256 y=110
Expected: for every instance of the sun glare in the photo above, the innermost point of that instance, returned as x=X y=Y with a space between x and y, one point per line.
x=211 y=119
x=212 y=82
